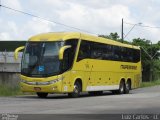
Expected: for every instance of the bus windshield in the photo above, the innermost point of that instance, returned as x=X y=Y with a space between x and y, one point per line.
x=40 y=59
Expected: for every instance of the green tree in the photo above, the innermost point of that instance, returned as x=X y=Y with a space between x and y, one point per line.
x=113 y=36
x=149 y=58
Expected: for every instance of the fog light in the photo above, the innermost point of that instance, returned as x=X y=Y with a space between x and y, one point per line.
x=54 y=88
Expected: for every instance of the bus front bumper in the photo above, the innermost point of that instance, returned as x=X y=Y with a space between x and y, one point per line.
x=51 y=88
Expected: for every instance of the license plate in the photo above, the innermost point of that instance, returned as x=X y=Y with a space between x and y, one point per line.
x=37 y=88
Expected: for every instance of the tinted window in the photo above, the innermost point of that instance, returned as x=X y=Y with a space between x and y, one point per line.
x=84 y=51
x=69 y=54
x=101 y=51
x=136 y=55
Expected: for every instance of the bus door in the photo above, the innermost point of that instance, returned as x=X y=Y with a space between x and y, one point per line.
x=83 y=61
x=90 y=79
x=95 y=69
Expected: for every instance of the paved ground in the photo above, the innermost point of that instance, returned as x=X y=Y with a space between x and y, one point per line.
x=143 y=100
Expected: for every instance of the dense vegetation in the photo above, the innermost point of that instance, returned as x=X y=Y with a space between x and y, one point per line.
x=149 y=54
x=10 y=45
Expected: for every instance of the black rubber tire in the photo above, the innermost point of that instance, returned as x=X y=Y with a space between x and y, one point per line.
x=76 y=91
x=127 y=87
x=121 y=89
x=42 y=95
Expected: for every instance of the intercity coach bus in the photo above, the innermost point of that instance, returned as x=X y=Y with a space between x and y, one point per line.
x=72 y=62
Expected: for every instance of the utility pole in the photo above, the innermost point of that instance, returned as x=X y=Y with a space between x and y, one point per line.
x=122 y=34
x=151 y=65
x=122 y=31
x=0 y=4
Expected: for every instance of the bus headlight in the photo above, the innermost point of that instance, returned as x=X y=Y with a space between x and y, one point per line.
x=28 y=82
x=56 y=80
x=24 y=81
x=43 y=83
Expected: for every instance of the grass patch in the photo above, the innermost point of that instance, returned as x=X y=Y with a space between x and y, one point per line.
x=149 y=84
x=6 y=90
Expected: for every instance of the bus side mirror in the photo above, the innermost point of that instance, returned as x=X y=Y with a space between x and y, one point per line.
x=61 y=51
x=17 y=51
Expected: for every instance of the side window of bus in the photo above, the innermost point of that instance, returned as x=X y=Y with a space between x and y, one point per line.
x=136 y=55
x=124 y=56
x=101 y=51
x=97 y=51
x=117 y=53
x=84 y=51
x=69 y=54
x=129 y=55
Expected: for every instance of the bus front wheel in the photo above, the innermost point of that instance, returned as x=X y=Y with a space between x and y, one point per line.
x=76 y=90
x=42 y=95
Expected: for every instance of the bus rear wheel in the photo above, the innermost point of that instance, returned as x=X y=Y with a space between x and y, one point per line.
x=42 y=95
x=121 y=89
x=76 y=90
x=127 y=87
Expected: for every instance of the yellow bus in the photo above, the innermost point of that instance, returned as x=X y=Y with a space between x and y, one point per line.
x=72 y=62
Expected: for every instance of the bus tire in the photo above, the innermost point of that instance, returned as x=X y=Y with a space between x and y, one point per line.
x=127 y=87
x=42 y=95
x=121 y=87
x=76 y=91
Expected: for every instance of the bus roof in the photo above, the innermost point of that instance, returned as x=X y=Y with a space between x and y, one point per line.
x=58 y=36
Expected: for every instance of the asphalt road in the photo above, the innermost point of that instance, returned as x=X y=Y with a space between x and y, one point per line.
x=141 y=101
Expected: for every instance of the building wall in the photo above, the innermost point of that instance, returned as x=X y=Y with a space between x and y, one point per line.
x=9 y=69
x=9 y=79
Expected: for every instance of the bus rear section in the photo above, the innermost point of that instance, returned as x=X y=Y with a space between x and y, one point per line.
x=105 y=66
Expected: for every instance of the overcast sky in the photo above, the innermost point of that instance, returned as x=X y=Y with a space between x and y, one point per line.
x=95 y=16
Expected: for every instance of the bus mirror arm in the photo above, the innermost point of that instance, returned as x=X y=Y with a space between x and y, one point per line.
x=17 y=51
x=61 y=51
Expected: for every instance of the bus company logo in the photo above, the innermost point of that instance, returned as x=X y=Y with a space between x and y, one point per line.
x=128 y=67
x=7 y=116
